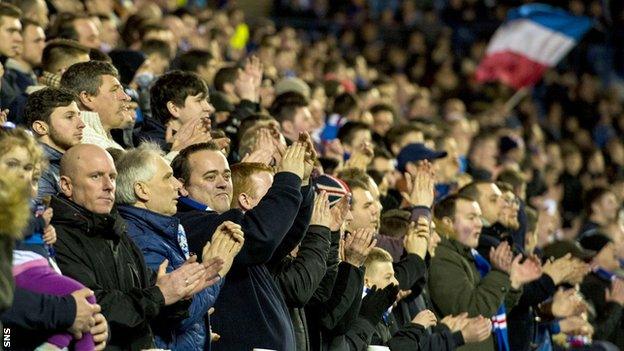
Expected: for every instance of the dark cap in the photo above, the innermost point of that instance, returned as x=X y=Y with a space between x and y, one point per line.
x=561 y=248
x=595 y=241
x=417 y=152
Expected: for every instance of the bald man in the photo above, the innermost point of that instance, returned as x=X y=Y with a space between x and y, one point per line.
x=93 y=248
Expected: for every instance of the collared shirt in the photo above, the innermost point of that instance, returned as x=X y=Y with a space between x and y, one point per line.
x=94 y=132
x=50 y=79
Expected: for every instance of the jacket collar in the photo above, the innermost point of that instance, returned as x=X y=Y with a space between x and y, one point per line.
x=52 y=154
x=456 y=246
x=160 y=224
x=185 y=204
x=67 y=212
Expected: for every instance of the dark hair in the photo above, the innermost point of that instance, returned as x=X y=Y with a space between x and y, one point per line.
x=225 y=75
x=174 y=86
x=87 y=76
x=99 y=55
x=63 y=26
x=285 y=105
x=156 y=46
x=382 y=152
x=40 y=104
x=180 y=164
x=395 y=223
x=511 y=177
x=346 y=133
x=382 y=108
x=592 y=195
x=28 y=22
x=471 y=191
x=398 y=131
x=8 y=10
x=58 y=50
x=146 y=27
x=344 y=104
x=193 y=59
x=447 y=205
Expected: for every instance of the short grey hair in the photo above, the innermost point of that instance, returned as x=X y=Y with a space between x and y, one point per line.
x=135 y=165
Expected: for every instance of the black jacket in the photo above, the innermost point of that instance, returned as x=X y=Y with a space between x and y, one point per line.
x=300 y=276
x=34 y=317
x=95 y=250
x=607 y=318
x=251 y=311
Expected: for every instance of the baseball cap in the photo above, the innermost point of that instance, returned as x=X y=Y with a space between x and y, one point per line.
x=417 y=152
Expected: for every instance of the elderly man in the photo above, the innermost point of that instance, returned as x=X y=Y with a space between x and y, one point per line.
x=147 y=193
x=94 y=249
x=272 y=229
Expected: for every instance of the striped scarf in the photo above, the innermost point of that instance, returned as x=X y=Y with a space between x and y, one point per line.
x=499 y=320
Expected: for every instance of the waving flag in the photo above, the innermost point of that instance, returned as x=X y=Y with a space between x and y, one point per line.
x=534 y=38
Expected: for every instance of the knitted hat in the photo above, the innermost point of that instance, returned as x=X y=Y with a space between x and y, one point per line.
x=335 y=188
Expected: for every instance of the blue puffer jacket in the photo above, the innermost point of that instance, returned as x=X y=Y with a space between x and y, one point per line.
x=157 y=237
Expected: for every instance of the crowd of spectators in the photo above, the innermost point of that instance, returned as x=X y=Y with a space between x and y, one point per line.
x=181 y=176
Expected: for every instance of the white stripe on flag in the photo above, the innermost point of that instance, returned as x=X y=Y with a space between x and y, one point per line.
x=532 y=40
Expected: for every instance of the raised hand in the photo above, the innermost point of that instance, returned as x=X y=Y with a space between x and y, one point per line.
x=180 y=283
x=361 y=157
x=476 y=329
x=420 y=186
x=526 y=272
x=310 y=156
x=358 y=245
x=194 y=132
x=293 y=160
x=340 y=212
x=377 y=301
x=501 y=257
x=616 y=293
x=566 y=269
x=455 y=323
x=567 y=303
x=576 y=325
x=425 y=318
x=417 y=239
x=321 y=214
x=226 y=243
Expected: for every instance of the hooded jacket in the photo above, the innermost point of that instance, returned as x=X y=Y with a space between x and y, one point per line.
x=95 y=250
x=157 y=237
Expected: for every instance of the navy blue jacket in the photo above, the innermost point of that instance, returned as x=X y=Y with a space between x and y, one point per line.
x=157 y=237
x=251 y=311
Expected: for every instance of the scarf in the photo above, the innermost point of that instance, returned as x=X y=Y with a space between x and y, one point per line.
x=499 y=320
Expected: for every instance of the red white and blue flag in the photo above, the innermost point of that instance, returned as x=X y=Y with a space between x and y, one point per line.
x=534 y=38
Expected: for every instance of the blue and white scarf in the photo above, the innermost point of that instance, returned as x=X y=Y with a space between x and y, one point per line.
x=499 y=320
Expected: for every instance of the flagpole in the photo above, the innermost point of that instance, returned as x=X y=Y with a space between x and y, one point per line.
x=515 y=99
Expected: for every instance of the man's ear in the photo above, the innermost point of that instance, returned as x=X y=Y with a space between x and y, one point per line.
x=86 y=99
x=66 y=186
x=244 y=202
x=40 y=128
x=141 y=192
x=287 y=127
x=173 y=109
x=183 y=191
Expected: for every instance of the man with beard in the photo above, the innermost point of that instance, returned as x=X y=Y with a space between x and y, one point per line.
x=500 y=217
x=54 y=118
